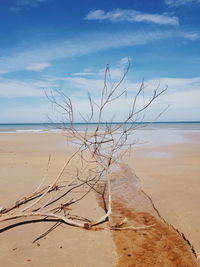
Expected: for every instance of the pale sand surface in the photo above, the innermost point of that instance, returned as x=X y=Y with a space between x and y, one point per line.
x=23 y=160
x=170 y=175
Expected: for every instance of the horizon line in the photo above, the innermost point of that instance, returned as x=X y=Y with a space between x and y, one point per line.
x=117 y=122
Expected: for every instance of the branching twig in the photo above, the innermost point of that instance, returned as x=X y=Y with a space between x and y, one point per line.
x=93 y=159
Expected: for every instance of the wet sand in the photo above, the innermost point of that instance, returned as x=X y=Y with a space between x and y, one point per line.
x=170 y=175
x=152 y=241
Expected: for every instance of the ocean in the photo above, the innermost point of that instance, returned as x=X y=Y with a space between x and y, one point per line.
x=57 y=127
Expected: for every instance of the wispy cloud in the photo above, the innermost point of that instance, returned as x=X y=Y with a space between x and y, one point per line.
x=84 y=73
x=177 y=3
x=21 y=4
x=38 y=66
x=115 y=72
x=124 y=61
x=174 y=84
x=10 y=89
x=85 y=44
x=34 y=87
x=131 y=15
x=191 y=36
x=25 y=88
x=25 y=113
x=182 y=95
x=29 y=2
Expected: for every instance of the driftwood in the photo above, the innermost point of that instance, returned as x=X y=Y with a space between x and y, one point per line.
x=96 y=152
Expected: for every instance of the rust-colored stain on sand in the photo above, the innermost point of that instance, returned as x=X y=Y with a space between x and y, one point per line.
x=160 y=245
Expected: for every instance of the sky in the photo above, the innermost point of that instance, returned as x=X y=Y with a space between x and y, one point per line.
x=66 y=45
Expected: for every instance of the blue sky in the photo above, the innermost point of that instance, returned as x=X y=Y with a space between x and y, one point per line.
x=66 y=44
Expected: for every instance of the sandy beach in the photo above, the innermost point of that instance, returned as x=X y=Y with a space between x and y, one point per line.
x=23 y=162
x=169 y=175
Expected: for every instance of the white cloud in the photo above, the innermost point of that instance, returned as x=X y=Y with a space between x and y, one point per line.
x=177 y=84
x=18 y=89
x=26 y=88
x=38 y=66
x=78 y=84
x=177 y=3
x=131 y=15
x=125 y=61
x=25 y=113
x=83 y=73
x=191 y=36
x=115 y=72
x=30 y=2
x=174 y=84
x=83 y=45
x=84 y=83
x=21 y=4
x=183 y=96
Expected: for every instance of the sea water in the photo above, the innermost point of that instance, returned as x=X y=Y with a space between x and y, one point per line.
x=56 y=127
x=146 y=134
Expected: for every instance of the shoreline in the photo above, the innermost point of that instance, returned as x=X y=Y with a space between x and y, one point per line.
x=58 y=127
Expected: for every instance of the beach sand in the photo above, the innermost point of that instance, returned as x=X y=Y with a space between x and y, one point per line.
x=23 y=160
x=169 y=175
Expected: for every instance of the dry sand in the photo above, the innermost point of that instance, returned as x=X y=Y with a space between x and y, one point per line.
x=172 y=182
x=23 y=160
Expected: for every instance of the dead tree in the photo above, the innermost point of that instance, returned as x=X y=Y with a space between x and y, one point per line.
x=96 y=152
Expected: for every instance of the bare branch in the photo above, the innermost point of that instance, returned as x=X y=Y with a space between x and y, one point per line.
x=91 y=164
